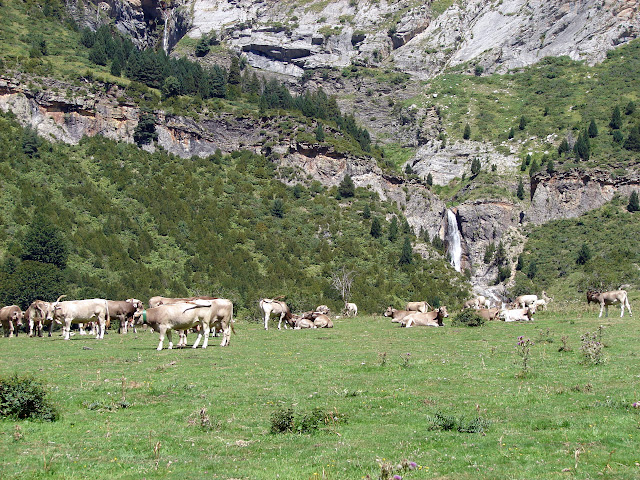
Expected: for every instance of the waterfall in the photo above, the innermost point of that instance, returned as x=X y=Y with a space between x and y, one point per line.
x=454 y=248
x=165 y=34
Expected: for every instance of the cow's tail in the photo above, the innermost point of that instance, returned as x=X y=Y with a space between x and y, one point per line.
x=626 y=303
x=107 y=320
x=231 y=322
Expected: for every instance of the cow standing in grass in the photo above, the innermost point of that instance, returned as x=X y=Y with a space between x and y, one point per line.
x=11 y=318
x=613 y=297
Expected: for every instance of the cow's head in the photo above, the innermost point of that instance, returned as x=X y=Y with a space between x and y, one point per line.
x=389 y=311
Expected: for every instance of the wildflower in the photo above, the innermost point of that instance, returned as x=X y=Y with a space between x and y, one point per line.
x=636 y=405
x=397 y=477
x=412 y=465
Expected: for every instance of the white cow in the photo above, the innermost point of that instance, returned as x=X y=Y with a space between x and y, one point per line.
x=80 y=311
x=517 y=314
x=610 y=298
x=271 y=306
x=216 y=313
x=428 y=319
x=421 y=307
x=525 y=300
x=351 y=309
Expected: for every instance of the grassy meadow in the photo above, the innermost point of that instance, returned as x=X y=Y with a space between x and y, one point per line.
x=130 y=412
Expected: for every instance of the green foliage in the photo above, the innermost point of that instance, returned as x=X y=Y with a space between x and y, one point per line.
x=593 y=129
x=633 y=140
x=429 y=179
x=277 y=208
x=520 y=190
x=584 y=254
x=25 y=398
x=320 y=132
x=446 y=422
x=630 y=108
x=475 y=166
x=563 y=147
x=202 y=47
x=406 y=255
x=43 y=243
x=616 y=119
x=466 y=134
x=347 y=188
x=633 y=205
x=469 y=318
x=145 y=130
x=393 y=229
x=376 y=228
x=522 y=124
x=609 y=234
x=138 y=224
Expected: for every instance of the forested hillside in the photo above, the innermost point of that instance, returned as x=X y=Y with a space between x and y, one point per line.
x=137 y=224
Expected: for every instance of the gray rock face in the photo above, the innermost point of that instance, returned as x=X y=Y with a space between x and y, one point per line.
x=498 y=36
x=569 y=195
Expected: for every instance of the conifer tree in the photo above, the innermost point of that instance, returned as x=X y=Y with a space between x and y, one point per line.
x=616 y=120
x=563 y=147
x=475 y=166
x=393 y=229
x=429 y=179
x=467 y=132
x=633 y=140
x=376 y=228
x=523 y=123
x=406 y=255
x=634 y=205
x=593 y=129
x=320 y=132
x=347 y=188
x=520 y=190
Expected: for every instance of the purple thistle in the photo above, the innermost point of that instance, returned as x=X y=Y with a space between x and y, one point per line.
x=397 y=477
x=412 y=465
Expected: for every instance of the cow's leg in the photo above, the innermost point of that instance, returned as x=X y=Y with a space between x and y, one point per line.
x=266 y=320
x=102 y=323
x=66 y=329
x=601 y=310
x=207 y=330
x=198 y=338
x=226 y=335
x=10 y=328
x=626 y=301
x=162 y=331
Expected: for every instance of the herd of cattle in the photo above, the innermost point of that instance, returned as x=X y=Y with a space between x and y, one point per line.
x=210 y=315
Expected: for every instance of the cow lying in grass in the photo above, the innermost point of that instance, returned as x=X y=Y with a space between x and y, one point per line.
x=428 y=319
x=397 y=316
x=610 y=298
x=517 y=314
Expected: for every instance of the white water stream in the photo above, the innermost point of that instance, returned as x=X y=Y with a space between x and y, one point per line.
x=454 y=248
x=165 y=34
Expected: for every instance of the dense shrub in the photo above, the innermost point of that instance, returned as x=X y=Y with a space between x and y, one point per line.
x=25 y=397
x=469 y=318
x=446 y=422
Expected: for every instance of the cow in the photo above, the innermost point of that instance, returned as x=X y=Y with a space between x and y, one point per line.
x=488 y=313
x=396 y=316
x=322 y=309
x=80 y=311
x=478 y=302
x=525 y=301
x=610 y=298
x=272 y=306
x=299 y=322
x=182 y=316
x=351 y=309
x=540 y=304
x=322 y=321
x=37 y=315
x=421 y=307
x=517 y=314
x=428 y=319
x=11 y=318
x=123 y=311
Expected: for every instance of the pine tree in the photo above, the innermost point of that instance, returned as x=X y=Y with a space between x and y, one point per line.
x=376 y=228
x=633 y=140
x=145 y=130
x=406 y=255
x=512 y=133
x=520 y=190
x=467 y=132
x=429 y=179
x=523 y=123
x=616 y=120
x=584 y=254
x=347 y=188
x=43 y=243
x=634 y=205
x=475 y=166
x=593 y=129
x=630 y=108
x=535 y=168
x=277 y=208
x=320 y=132
x=551 y=168
x=393 y=229
x=563 y=147
x=366 y=211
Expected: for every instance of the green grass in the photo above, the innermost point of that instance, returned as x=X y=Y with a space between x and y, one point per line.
x=563 y=419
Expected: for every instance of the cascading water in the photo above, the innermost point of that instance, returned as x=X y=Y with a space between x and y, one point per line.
x=165 y=34
x=454 y=248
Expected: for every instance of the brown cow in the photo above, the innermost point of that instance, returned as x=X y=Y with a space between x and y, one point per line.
x=11 y=318
x=610 y=298
x=123 y=311
x=429 y=319
x=488 y=313
x=37 y=315
x=396 y=316
x=322 y=321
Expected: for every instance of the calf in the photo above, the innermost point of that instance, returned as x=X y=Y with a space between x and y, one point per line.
x=428 y=319
x=525 y=301
x=488 y=313
x=123 y=311
x=11 y=318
